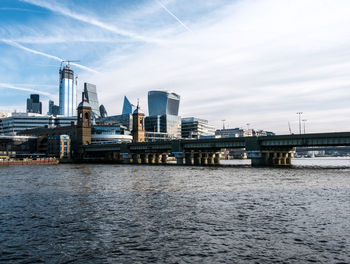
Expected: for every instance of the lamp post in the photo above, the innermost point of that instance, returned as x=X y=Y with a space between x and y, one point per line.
x=299 y=113
x=304 y=121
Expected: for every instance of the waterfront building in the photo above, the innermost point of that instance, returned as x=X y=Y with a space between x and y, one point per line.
x=169 y=124
x=192 y=127
x=67 y=92
x=17 y=146
x=59 y=146
x=23 y=121
x=110 y=134
x=84 y=123
x=90 y=93
x=240 y=132
x=157 y=136
x=163 y=103
x=128 y=108
x=33 y=104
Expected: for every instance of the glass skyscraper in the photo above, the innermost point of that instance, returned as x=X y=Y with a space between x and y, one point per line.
x=163 y=103
x=128 y=108
x=90 y=94
x=68 y=92
x=34 y=105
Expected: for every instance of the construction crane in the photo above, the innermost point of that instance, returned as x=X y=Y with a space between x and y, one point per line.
x=68 y=62
x=290 y=130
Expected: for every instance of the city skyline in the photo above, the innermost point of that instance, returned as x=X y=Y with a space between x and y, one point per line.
x=257 y=62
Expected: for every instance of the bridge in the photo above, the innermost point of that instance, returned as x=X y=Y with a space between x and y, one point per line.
x=263 y=151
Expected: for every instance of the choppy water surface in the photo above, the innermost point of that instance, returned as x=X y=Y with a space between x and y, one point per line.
x=169 y=214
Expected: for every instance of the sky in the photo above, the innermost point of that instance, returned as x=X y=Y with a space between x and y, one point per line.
x=252 y=63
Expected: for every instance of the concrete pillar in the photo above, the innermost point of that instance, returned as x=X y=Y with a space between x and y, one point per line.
x=179 y=156
x=217 y=158
x=157 y=158
x=151 y=158
x=144 y=158
x=289 y=159
x=164 y=158
x=211 y=158
x=188 y=158
x=197 y=158
x=204 y=159
x=136 y=158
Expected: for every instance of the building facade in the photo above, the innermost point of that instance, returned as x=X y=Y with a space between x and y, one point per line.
x=128 y=108
x=192 y=127
x=169 y=124
x=33 y=104
x=67 y=92
x=90 y=93
x=163 y=103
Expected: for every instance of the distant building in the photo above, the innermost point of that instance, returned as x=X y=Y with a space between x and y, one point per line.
x=169 y=124
x=67 y=92
x=53 y=109
x=59 y=146
x=123 y=120
x=192 y=127
x=22 y=121
x=33 y=104
x=90 y=94
x=163 y=103
x=103 y=111
x=110 y=134
x=128 y=108
x=240 y=132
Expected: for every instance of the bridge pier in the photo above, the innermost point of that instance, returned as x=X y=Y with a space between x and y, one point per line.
x=271 y=158
x=211 y=158
x=179 y=156
x=144 y=158
x=157 y=159
x=217 y=158
x=136 y=158
x=188 y=158
x=197 y=156
x=164 y=158
x=204 y=158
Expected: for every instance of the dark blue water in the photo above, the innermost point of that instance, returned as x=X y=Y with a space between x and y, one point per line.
x=168 y=214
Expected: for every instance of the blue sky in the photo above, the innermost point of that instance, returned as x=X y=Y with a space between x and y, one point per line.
x=246 y=61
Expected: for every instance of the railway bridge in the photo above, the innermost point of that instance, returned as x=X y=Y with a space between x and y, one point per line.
x=263 y=151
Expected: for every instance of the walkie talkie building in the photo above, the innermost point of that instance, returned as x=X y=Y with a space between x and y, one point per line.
x=163 y=103
x=68 y=92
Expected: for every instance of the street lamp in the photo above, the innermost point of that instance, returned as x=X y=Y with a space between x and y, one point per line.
x=304 y=120
x=299 y=113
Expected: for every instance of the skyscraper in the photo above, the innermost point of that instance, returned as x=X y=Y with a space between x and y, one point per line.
x=53 y=109
x=34 y=105
x=163 y=103
x=128 y=108
x=68 y=92
x=90 y=94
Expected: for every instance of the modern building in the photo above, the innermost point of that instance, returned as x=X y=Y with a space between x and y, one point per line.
x=163 y=103
x=53 y=109
x=59 y=146
x=110 y=134
x=103 y=111
x=22 y=121
x=33 y=104
x=192 y=127
x=90 y=93
x=128 y=108
x=169 y=124
x=123 y=120
x=67 y=92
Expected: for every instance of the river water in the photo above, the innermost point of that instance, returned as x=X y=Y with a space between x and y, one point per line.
x=169 y=214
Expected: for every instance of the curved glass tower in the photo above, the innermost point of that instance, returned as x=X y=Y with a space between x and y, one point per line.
x=68 y=92
x=163 y=103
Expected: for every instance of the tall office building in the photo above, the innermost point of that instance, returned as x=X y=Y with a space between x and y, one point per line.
x=103 y=111
x=128 y=108
x=192 y=127
x=68 y=92
x=53 y=109
x=90 y=95
x=163 y=103
x=34 y=105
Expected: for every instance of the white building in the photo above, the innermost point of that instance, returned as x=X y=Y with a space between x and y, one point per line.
x=192 y=127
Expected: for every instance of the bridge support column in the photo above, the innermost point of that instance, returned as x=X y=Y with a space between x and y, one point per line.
x=151 y=158
x=157 y=158
x=270 y=158
x=204 y=159
x=136 y=158
x=188 y=158
x=179 y=156
x=217 y=158
x=197 y=158
x=144 y=158
x=164 y=158
x=211 y=158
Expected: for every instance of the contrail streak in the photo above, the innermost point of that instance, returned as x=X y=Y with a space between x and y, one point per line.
x=90 y=20
x=10 y=86
x=17 y=45
x=172 y=14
